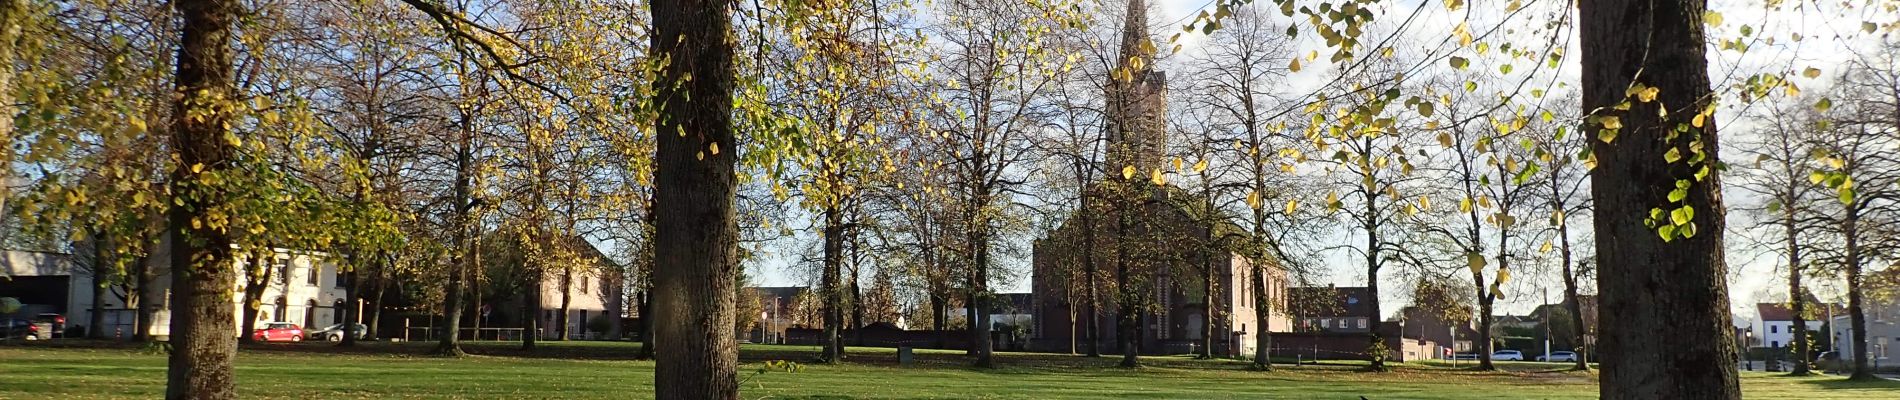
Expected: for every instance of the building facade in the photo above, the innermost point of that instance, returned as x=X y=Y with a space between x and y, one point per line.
x=303 y=289
x=1774 y=323
x=1883 y=332
x=1155 y=245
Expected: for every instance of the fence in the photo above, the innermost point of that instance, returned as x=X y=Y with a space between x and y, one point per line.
x=496 y=334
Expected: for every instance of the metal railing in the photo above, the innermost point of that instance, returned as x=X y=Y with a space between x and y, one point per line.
x=496 y=334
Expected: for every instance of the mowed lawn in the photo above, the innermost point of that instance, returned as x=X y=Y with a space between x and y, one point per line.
x=584 y=370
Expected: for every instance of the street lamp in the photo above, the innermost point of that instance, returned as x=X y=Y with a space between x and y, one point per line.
x=1750 y=339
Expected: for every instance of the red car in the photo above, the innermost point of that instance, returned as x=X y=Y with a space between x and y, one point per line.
x=278 y=331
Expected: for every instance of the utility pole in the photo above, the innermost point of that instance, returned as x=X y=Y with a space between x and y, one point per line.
x=1546 y=296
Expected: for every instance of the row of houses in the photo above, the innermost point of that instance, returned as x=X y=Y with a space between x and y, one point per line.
x=1827 y=324
x=305 y=288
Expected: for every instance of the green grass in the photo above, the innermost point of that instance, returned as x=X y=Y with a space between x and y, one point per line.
x=604 y=370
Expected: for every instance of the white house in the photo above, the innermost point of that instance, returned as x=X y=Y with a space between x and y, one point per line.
x=1775 y=324
x=303 y=290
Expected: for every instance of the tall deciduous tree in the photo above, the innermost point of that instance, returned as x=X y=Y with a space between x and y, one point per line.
x=696 y=237
x=1659 y=221
x=200 y=365
x=1782 y=149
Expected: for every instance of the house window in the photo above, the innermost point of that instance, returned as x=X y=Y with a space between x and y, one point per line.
x=1362 y=323
x=1774 y=343
x=1325 y=322
x=283 y=269
x=1774 y=328
x=585 y=282
x=310 y=277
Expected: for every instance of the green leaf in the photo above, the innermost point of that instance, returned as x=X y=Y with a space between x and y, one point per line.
x=1459 y=62
x=1682 y=215
x=1678 y=195
x=1668 y=232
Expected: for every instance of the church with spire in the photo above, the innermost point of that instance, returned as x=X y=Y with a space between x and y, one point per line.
x=1157 y=245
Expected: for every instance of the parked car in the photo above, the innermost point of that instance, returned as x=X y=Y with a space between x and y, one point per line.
x=22 y=329
x=1507 y=355
x=279 y=331
x=57 y=321
x=334 y=333
x=1559 y=356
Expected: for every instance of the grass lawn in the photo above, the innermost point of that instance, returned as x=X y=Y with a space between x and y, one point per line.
x=604 y=370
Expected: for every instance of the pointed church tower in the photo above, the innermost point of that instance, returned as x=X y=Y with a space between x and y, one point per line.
x=1137 y=99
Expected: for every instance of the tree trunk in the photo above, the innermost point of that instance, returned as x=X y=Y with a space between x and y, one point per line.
x=1573 y=302
x=980 y=285
x=256 y=277
x=1798 y=306
x=532 y=311
x=448 y=342
x=104 y=262
x=696 y=235
x=834 y=299
x=1484 y=345
x=1093 y=274
x=152 y=297
x=940 y=319
x=387 y=264
x=1375 y=349
x=1128 y=317
x=1262 y=318
x=857 y=297
x=567 y=301
x=646 y=326
x=1650 y=285
x=1208 y=321
x=1857 y=316
x=203 y=346
x=351 y=295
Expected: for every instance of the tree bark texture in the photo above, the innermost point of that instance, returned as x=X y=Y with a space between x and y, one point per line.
x=203 y=276
x=1647 y=284
x=696 y=234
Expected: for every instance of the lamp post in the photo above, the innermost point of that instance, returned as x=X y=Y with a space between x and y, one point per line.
x=1750 y=338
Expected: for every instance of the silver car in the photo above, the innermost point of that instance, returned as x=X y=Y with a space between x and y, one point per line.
x=334 y=333
x=1559 y=356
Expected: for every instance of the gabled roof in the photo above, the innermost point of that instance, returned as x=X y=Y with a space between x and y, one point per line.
x=1782 y=312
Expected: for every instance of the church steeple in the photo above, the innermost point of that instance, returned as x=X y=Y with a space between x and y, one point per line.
x=1136 y=43
x=1137 y=99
